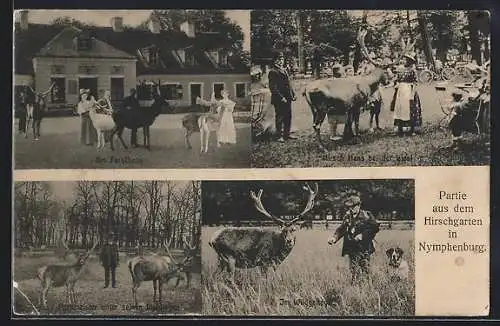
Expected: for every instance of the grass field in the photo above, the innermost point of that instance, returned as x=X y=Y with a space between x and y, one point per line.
x=92 y=299
x=59 y=148
x=314 y=280
x=382 y=148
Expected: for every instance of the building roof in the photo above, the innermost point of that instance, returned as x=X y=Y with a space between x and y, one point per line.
x=47 y=40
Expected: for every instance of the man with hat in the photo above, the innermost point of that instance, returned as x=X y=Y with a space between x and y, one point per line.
x=132 y=103
x=109 y=260
x=358 y=229
x=282 y=95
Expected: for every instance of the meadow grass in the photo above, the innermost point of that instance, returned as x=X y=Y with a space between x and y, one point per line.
x=314 y=280
x=92 y=299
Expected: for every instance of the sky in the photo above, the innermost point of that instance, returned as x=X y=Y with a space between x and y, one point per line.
x=130 y=17
x=65 y=190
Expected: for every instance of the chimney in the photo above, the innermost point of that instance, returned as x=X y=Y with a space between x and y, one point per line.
x=117 y=24
x=154 y=25
x=23 y=19
x=188 y=28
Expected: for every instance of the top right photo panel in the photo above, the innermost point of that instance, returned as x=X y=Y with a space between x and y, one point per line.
x=342 y=88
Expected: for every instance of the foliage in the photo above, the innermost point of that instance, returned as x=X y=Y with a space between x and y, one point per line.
x=138 y=213
x=334 y=31
x=230 y=200
x=206 y=20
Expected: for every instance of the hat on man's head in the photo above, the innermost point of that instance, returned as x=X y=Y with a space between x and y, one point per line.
x=84 y=91
x=410 y=56
x=352 y=200
x=277 y=54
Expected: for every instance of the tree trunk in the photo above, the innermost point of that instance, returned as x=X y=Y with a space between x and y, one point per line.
x=300 y=45
x=475 y=45
x=426 y=40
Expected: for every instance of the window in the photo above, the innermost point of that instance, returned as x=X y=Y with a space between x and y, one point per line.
x=58 y=92
x=84 y=43
x=57 y=69
x=153 y=56
x=190 y=59
x=218 y=87
x=87 y=69
x=171 y=91
x=241 y=90
x=117 y=88
x=72 y=87
x=223 y=59
x=115 y=70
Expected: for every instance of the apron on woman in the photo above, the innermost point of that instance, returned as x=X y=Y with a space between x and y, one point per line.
x=406 y=102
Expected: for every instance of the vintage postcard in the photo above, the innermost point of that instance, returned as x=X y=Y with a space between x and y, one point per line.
x=307 y=163
x=370 y=88
x=95 y=248
x=131 y=89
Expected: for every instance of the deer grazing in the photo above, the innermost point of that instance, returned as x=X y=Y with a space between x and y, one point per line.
x=248 y=248
x=57 y=275
x=157 y=268
x=345 y=95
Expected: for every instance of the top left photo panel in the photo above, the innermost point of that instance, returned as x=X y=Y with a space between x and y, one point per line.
x=119 y=89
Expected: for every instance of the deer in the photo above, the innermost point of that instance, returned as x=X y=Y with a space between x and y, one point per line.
x=57 y=275
x=204 y=123
x=345 y=95
x=189 y=251
x=157 y=268
x=244 y=248
x=35 y=111
x=135 y=119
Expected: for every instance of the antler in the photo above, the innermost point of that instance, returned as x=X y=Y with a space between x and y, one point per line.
x=167 y=245
x=309 y=205
x=361 y=41
x=43 y=94
x=260 y=207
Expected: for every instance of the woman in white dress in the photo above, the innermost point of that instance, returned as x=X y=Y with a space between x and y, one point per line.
x=227 y=130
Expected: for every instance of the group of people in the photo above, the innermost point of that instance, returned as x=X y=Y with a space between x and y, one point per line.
x=405 y=105
x=87 y=103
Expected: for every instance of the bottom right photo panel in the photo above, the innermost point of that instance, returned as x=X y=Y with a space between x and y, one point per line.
x=308 y=247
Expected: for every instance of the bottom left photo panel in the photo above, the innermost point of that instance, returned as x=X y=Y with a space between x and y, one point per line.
x=106 y=248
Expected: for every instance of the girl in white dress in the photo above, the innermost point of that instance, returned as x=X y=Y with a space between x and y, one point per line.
x=227 y=130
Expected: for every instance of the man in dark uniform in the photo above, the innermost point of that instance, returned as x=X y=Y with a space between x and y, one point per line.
x=358 y=230
x=21 y=111
x=109 y=260
x=282 y=95
x=132 y=103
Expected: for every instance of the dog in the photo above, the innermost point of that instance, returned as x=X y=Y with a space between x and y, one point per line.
x=398 y=267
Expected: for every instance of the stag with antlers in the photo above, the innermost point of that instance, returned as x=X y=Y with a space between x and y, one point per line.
x=157 y=268
x=345 y=96
x=57 y=275
x=135 y=119
x=249 y=248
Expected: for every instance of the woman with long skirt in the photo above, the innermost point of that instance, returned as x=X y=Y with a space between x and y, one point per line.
x=406 y=102
x=88 y=134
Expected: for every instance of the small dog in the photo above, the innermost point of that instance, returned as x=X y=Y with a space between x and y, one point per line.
x=398 y=267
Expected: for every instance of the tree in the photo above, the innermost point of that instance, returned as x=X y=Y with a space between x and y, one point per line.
x=206 y=20
x=68 y=21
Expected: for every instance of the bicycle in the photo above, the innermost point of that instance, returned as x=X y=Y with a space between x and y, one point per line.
x=427 y=75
